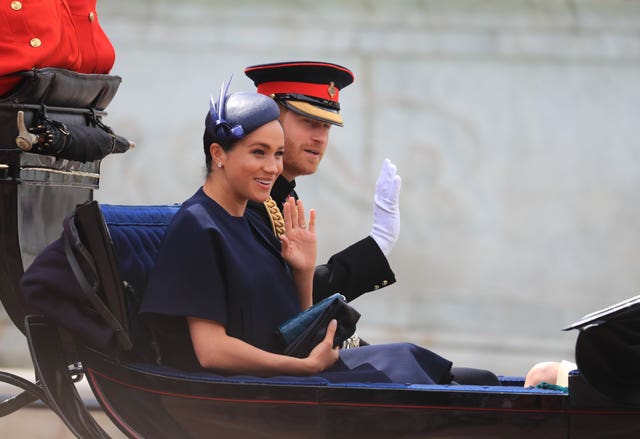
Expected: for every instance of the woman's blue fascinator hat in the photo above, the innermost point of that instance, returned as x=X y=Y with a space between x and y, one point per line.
x=235 y=115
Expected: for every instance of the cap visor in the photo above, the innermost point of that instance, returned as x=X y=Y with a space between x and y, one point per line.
x=317 y=113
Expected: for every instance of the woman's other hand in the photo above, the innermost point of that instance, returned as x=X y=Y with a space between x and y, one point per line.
x=299 y=245
x=324 y=355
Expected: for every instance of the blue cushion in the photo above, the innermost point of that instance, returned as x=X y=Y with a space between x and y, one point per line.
x=510 y=385
x=136 y=232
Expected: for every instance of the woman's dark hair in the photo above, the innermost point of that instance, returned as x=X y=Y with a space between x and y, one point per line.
x=208 y=139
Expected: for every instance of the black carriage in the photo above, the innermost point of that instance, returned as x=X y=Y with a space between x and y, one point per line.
x=145 y=399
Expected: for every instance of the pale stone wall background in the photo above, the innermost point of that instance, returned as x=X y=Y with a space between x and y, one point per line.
x=512 y=122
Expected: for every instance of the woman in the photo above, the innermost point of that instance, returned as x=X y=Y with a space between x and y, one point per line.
x=222 y=283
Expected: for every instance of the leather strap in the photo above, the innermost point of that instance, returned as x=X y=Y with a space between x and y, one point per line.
x=71 y=239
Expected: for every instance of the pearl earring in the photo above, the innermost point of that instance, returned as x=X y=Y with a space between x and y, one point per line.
x=219 y=164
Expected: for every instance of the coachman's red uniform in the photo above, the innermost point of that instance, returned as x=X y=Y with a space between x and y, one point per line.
x=51 y=33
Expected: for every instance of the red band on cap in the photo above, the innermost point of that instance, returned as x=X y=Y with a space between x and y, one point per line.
x=322 y=91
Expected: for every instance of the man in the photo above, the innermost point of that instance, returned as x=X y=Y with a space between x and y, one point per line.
x=308 y=95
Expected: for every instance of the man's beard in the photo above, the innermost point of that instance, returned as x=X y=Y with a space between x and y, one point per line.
x=298 y=166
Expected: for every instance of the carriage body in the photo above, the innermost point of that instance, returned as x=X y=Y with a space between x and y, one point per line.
x=148 y=400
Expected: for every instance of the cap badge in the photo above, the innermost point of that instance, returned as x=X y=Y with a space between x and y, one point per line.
x=332 y=89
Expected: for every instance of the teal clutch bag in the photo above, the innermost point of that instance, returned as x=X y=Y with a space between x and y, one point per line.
x=302 y=333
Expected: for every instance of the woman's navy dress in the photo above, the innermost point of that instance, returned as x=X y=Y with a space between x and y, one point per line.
x=215 y=266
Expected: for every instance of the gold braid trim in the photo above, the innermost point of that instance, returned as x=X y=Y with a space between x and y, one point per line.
x=277 y=220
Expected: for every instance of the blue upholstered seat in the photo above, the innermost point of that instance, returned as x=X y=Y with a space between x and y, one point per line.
x=509 y=385
x=136 y=232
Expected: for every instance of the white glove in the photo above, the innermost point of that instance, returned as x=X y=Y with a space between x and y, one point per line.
x=386 y=210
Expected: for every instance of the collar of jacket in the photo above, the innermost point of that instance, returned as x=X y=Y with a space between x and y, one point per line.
x=281 y=189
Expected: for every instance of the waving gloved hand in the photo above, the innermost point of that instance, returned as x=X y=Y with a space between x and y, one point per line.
x=386 y=210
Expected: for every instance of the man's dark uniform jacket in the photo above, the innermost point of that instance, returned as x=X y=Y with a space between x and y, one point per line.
x=359 y=268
